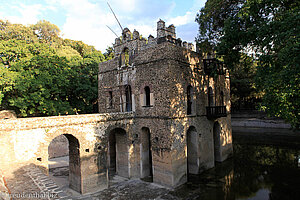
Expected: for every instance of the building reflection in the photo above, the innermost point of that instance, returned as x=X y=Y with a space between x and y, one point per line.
x=254 y=172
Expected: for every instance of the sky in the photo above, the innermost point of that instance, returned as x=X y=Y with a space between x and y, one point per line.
x=87 y=20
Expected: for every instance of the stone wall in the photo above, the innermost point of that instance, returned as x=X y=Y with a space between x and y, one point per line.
x=58 y=147
x=7 y=114
x=26 y=141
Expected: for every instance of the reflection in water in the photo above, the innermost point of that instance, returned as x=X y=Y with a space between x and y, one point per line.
x=254 y=172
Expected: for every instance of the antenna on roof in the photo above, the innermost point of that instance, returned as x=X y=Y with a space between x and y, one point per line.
x=112 y=31
x=115 y=16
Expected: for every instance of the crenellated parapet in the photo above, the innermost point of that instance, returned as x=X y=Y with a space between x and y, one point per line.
x=133 y=43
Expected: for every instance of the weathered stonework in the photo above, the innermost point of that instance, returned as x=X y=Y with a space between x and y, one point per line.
x=25 y=141
x=7 y=114
x=153 y=121
x=164 y=69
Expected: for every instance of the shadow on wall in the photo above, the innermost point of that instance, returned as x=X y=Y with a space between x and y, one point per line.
x=58 y=147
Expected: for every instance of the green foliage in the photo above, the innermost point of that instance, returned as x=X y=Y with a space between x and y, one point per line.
x=269 y=31
x=68 y=52
x=7 y=80
x=41 y=86
x=211 y=19
x=109 y=54
x=42 y=74
x=45 y=31
x=242 y=85
x=15 y=31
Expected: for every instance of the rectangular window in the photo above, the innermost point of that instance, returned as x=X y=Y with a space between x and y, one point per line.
x=110 y=99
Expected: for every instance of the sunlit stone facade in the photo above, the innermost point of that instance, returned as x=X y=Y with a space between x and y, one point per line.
x=181 y=119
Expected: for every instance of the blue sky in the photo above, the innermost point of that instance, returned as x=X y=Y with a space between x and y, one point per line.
x=86 y=20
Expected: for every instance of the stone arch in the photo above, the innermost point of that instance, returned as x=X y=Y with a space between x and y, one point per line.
x=75 y=178
x=192 y=143
x=118 y=161
x=146 y=153
x=217 y=142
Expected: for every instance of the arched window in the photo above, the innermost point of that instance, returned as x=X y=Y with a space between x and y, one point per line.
x=147 y=96
x=124 y=57
x=189 y=99
x=210 y=97
x=222 y=98
x=128 y=98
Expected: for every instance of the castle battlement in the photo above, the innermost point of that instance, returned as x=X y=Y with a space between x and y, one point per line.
x=134 y=42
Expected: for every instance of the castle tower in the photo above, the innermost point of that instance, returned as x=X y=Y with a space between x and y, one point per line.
x=171 y=118
x=171 y=31
x=161 y=29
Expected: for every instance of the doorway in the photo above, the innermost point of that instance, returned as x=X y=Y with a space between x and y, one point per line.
x=118 y=153
x=64 y=161
x=146 y=155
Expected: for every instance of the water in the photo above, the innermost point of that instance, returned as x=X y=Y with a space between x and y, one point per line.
x=255 y=172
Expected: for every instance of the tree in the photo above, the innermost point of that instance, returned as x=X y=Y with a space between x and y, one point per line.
x=7 y=81
x=84 y=94
x=16 y=31
x=109 y=53
x=211 y=19
x=243 y=91
x=41 y=86
x=42 y=74
x=268 y=30
x=46 y=32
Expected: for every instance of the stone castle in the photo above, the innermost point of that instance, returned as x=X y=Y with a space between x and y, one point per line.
x=164 y=113
x=180 y=114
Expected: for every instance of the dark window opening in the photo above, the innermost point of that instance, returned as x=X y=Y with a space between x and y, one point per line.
x=210 y=97
x=110 y=99
x=128 y=98
x=189 y=99
x=147 y=95
x=222 y=98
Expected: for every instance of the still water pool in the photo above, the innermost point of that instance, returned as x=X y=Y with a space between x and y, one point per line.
x=255 y=172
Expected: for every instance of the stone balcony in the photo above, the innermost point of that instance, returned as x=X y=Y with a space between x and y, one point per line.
x=214 y=112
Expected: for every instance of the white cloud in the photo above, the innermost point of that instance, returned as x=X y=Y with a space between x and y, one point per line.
x=144 y=30
x=124 y=6
x=186 y=26
x=182 y=20
x=29 y=14
x=86 y=20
